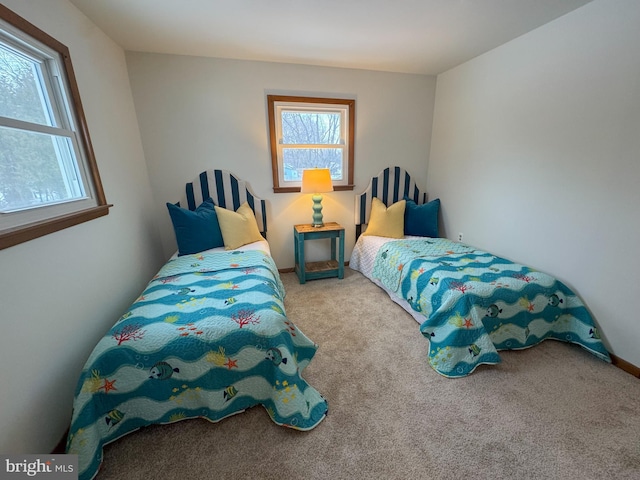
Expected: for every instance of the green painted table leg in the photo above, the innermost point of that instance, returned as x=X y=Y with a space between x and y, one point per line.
x=341 y=255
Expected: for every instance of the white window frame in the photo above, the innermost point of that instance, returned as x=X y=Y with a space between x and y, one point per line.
x=67 y=128
x=277 y=104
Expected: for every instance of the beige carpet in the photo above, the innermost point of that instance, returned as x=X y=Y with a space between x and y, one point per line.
x=550 y=412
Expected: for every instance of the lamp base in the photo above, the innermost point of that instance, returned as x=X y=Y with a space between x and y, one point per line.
x=317 y=211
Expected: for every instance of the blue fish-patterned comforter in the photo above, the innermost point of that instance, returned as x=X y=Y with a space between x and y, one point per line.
x=207 y=338
x=475 y=303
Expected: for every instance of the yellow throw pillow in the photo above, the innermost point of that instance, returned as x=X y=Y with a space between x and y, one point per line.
x=238 y=228
x=384 y=222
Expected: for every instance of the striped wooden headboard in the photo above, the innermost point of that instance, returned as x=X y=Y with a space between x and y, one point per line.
x=227 y=191
x=390 y=185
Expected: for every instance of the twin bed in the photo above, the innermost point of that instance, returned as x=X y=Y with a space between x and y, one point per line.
x=209 y=336
x=469 y=303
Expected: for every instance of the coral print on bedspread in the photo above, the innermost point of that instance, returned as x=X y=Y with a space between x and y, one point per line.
x=475 y=303
x=207 y=338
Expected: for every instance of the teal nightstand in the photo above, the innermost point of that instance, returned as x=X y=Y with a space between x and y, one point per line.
x=324 y=269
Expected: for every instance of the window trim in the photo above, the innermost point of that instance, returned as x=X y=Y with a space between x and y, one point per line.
x=350 y=128
x=23 y=233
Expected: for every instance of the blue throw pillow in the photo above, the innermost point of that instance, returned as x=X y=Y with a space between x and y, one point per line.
x=196 y=230
x=421 y=220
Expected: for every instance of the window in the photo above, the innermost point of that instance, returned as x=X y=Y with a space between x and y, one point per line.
x=307 y=133
x=48 y=175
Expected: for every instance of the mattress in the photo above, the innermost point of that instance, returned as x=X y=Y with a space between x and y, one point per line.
x=362 y=260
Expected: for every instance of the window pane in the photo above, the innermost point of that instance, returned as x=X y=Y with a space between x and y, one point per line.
x=310 y=128
x=292 y=174
x=21 y=92
x=297 y=159
x=36 y=169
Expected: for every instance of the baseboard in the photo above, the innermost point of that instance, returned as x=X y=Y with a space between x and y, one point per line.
x=626 y=366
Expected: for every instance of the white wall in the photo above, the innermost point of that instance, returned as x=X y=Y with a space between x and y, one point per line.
x=535 y=156
x=197 y=113
x=60 y=293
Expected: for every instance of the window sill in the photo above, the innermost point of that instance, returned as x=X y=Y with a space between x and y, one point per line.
x=336 y=188
x=25 y=233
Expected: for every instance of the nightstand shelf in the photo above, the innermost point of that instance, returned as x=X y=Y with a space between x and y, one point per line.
x=322 y=269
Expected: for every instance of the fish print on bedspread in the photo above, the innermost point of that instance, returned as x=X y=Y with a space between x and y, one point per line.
x=207 y=338
x=476 y=304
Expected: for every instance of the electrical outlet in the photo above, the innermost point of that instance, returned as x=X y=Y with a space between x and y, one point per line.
x=460 y=237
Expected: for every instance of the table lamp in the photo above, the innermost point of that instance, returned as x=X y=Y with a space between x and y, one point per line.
x=316 y=181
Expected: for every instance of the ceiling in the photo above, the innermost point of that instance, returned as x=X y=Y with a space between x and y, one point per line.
x=409 y=36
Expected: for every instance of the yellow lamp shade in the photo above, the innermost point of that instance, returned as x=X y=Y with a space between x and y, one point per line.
x=316 y=180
